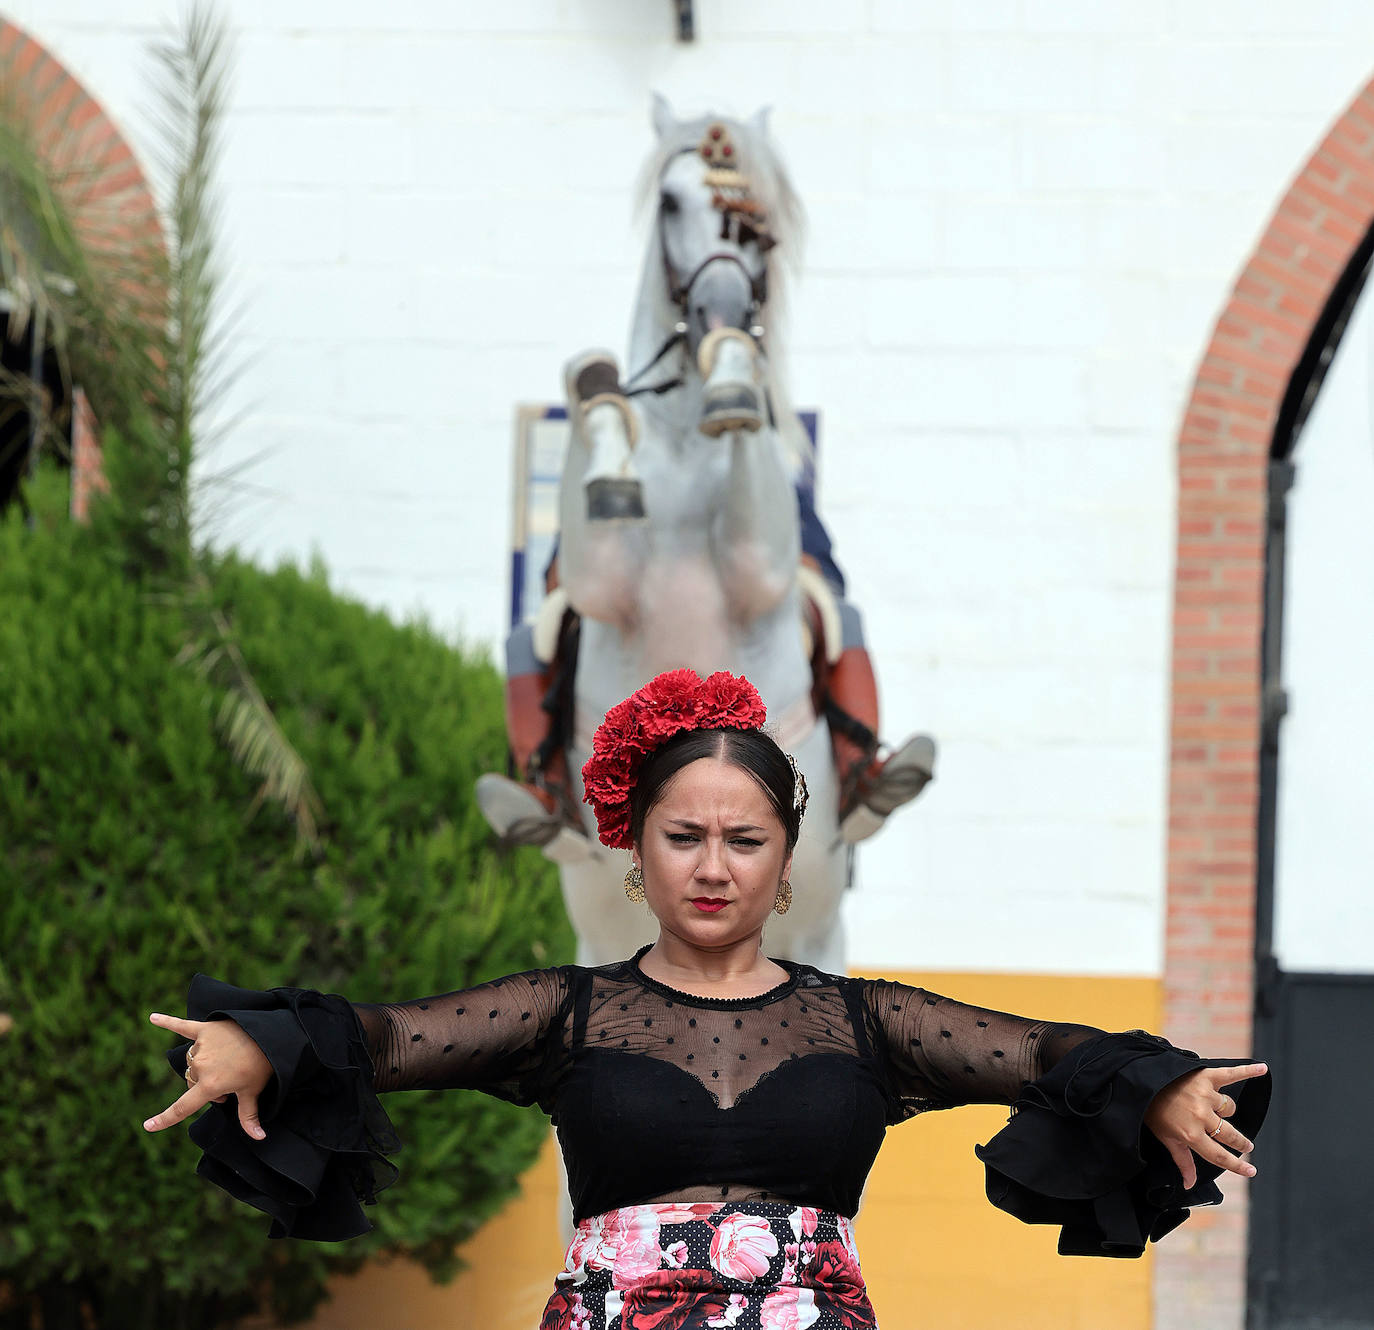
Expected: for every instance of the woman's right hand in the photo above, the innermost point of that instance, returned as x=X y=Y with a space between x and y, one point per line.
x=222 y=1061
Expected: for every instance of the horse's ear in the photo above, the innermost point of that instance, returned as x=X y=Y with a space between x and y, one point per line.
x=663 y=118
x=758 y=122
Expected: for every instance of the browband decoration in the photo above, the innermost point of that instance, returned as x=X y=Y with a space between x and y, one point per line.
x=743 y=217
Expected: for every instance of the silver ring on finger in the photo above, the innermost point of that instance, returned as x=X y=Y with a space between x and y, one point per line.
x=1216 y=1131
x=191 y=1053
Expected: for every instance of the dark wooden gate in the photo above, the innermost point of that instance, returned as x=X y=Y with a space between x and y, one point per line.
x=1311 y=1259
x=1312 y=1217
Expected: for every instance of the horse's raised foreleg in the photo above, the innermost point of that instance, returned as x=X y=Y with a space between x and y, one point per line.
x=604 y=536
x=756 y=539
x=610 y=427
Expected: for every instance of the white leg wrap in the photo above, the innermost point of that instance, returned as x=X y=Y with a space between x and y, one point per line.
x=728 y=355
x=731 y=398
x=605 y=425
x=629 y=420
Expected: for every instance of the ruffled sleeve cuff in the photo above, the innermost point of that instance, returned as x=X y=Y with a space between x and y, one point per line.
x=1076 y=1151
x=327 y=1135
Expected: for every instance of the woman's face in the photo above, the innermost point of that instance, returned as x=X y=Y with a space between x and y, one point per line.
x=713 y=852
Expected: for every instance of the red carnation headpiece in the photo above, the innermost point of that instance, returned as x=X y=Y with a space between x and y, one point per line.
x=677 y=701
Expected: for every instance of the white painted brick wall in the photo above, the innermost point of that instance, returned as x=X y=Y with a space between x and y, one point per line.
x=1024 y=217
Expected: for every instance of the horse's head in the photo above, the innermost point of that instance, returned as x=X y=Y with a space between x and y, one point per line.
x=722 y=204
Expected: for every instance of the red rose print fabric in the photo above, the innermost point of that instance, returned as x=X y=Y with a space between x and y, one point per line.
x=707 y=1267
x=832 y=1274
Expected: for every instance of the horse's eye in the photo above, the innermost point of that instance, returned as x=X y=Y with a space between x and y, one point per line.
x=668 y=203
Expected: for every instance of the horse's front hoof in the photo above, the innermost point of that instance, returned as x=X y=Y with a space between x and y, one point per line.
x=611 y=498
x=731 y=406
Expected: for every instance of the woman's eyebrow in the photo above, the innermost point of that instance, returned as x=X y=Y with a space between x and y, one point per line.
x=689 y=825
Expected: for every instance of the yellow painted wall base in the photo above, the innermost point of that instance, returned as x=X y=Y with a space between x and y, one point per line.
x=935 y=1254
x=511 y=1265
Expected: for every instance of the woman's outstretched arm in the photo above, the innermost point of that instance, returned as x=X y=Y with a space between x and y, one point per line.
x=498 y=1037
x=945 y=1052
x=305 y=1138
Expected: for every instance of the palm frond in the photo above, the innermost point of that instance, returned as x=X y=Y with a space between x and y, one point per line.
x=256 y=740
x=248 y=724
x=193 y=93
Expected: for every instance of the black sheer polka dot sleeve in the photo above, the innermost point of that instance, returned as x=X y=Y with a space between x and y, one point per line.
x=327 y=1136
x=498 y=1038
x=1076 y=1152
x=941 y=1053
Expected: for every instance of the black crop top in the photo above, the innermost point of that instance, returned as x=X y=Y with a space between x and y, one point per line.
x=657 y=1094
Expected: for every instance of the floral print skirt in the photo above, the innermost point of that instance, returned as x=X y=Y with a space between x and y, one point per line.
x=750 y=1266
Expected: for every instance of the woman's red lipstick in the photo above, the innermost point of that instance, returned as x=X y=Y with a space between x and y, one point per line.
x=709 y=904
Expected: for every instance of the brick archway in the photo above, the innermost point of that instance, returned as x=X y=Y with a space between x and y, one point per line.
x=1223 y=455
x=95 y=170
x=95 y=174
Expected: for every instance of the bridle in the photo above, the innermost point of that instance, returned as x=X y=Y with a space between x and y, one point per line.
x=732 y=228
x=742 y=220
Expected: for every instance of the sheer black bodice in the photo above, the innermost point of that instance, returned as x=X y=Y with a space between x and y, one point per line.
x=660 y=1095
x=517 y=1037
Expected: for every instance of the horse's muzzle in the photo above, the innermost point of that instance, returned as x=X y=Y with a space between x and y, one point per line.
x=721 y=296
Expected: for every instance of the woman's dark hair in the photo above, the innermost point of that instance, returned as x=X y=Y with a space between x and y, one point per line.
x=751 y=751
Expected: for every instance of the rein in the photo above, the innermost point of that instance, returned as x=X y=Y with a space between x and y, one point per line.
x=679 y=334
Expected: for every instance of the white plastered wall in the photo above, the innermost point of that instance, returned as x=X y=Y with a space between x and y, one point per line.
x=1024 y=216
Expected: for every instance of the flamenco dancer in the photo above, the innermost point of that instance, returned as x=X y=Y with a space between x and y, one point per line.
x=736 y=1220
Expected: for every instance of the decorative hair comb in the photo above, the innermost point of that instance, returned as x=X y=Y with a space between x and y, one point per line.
x=800 y=794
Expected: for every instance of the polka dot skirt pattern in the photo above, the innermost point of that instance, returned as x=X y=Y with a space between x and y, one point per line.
x=756 y=1266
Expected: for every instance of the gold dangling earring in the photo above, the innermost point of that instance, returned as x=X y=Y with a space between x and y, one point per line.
x=634 y=884
x=783 y=902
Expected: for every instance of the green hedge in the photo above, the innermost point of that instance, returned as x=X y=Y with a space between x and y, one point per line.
x=133 y=853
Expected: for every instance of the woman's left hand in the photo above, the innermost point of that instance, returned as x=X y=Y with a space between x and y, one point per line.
x=1190 y=1118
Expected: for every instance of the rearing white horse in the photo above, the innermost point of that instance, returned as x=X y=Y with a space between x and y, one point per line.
x=680 y=537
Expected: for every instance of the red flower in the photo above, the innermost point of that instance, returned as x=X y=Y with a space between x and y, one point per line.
x=667 y=705
x=670 y=704
x=838 y=1284
x=605 y=776
x=667 y=1301
x=733 y=706
x=620 y=729
x=613 y=825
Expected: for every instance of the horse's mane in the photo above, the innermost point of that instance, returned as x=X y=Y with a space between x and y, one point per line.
x=772 y=187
